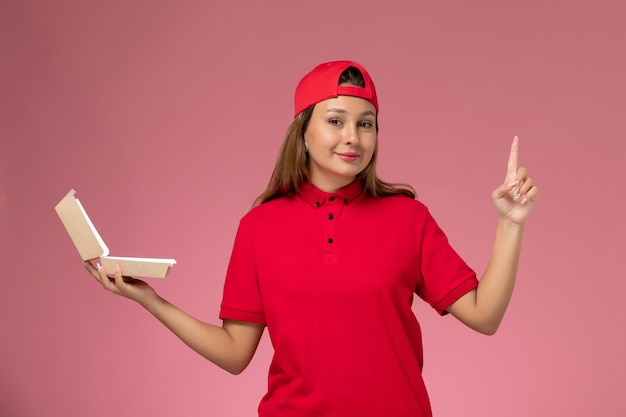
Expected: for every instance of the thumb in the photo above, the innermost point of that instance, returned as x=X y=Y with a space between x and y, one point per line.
x=502 y=191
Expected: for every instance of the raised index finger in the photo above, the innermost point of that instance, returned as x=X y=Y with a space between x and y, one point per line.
x=511 y=168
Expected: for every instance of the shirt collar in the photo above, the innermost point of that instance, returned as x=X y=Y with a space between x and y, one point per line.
x=316 y=197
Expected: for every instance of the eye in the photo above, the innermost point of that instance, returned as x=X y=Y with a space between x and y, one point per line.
x=366 y=124
x=335 y=122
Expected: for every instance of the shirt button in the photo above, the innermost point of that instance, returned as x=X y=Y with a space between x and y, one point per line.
x=317 y=204
x=330 y=217
x=331 y=198
x=345 y=201
x=330 y=240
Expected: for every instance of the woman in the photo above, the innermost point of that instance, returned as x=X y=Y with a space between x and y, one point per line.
x=329 y=260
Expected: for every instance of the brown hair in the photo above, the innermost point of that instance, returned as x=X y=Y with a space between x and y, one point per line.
x=292 y=166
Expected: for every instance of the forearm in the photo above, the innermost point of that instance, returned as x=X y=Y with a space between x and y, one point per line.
x=483 y=309
x=215 y=343
x=230 y=346
x=496 y=285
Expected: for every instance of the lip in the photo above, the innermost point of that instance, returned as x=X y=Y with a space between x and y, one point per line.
x=348 y=156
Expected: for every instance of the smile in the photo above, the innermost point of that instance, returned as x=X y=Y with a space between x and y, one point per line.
x=349 y=156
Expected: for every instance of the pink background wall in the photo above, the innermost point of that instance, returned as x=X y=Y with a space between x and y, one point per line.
x=166 y=117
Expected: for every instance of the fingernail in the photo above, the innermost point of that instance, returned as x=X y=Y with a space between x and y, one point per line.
x=524 y=200
x=512 y=184
x=118 y=268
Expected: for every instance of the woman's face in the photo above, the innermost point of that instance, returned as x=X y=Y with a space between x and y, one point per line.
x=341 y=138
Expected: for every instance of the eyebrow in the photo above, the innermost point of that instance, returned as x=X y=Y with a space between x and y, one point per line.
x=342 y=111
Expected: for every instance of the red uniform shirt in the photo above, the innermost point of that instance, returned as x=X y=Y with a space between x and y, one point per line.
x=333 y=275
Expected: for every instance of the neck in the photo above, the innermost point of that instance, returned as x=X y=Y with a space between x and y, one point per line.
x=332 y=186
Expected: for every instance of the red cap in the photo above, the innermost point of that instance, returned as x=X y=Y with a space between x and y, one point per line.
x=323 y=83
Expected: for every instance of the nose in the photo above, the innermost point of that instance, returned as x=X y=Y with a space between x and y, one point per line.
x=351 y=134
